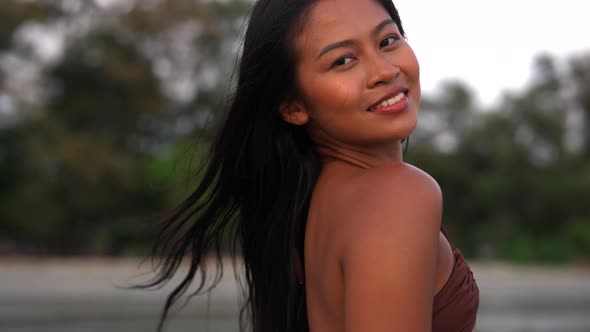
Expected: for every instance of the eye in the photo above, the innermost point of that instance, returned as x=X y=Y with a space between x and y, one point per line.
x=342 y=61
x=389 y=40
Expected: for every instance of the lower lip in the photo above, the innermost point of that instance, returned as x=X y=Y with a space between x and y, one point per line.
x=393 y=108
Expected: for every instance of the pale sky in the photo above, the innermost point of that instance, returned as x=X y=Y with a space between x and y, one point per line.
x=491 y=44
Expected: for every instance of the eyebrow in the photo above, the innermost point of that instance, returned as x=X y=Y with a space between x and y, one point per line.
x=350 y=42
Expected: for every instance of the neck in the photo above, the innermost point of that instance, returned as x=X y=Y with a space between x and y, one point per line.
x=362 y=157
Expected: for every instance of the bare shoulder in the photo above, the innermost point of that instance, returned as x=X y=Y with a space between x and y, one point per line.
x=393 y=195
x=399 y=177
x=395 y=203
x=389 y=249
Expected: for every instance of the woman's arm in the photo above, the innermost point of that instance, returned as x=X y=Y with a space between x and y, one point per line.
x=389 y=258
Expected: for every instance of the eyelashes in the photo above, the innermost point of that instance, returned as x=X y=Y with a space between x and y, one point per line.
x=387 y=42
x=342 y=61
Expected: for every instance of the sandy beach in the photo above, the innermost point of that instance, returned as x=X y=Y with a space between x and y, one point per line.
x=89 y=294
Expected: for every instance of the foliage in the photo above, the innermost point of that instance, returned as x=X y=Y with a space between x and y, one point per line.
x=515 y=178
x=78 y=167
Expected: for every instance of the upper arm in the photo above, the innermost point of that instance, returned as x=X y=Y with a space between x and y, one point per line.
x=389 y=260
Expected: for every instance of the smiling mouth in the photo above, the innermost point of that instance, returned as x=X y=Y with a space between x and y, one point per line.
x=388 y=102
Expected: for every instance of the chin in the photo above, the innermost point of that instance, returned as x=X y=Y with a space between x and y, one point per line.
x=408 y=127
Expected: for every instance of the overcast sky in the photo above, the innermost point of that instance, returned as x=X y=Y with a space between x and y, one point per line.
x=491 y=44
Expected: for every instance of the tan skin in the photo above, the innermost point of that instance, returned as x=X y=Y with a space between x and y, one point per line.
x=374 y=255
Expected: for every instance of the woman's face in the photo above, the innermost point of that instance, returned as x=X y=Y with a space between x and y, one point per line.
x=358 y=78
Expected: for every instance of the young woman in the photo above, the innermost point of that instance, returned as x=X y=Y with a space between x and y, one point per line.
x=306 y=176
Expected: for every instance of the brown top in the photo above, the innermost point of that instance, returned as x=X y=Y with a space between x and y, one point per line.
x=455 y=305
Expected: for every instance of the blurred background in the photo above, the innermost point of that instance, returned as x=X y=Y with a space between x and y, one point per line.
x=105 y=110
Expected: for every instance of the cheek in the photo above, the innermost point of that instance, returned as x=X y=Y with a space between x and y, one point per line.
x=325 y=97
x=411 y=70
x=413 y=67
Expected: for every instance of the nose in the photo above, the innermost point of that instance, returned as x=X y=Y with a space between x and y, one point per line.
x=381 y=70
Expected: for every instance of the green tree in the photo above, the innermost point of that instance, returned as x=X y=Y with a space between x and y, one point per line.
x=128 y=86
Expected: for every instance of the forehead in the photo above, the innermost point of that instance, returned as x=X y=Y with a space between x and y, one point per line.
x=330 y=21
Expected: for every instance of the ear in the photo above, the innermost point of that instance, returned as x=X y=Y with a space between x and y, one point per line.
x=294 y=113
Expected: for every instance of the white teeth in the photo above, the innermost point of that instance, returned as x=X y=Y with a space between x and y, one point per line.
x=390 y=101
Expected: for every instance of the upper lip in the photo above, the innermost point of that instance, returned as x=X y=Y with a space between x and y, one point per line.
x=394 y=92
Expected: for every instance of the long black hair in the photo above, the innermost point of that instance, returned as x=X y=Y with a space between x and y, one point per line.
x=256 y=182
